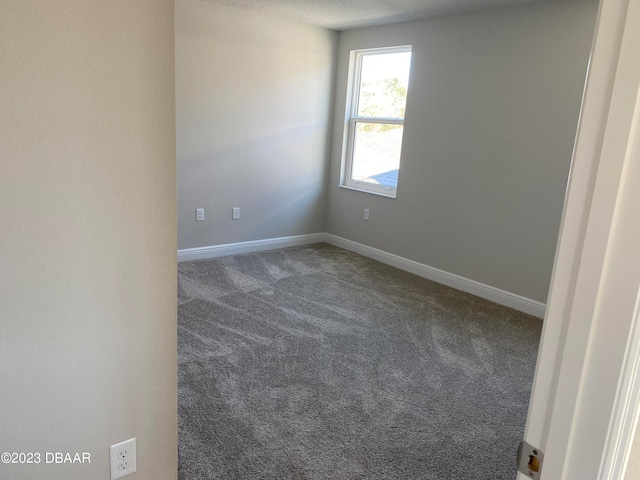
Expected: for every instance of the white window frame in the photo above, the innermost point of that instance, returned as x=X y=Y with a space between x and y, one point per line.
x=353 y=118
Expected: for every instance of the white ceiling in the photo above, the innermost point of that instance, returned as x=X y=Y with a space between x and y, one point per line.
x=346 y=14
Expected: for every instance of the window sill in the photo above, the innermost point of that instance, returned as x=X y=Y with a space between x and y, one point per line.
x=388 y=195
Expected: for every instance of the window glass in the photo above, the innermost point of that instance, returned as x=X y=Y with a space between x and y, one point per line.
x=384 y=81
x=376 y=119
x=376 y=153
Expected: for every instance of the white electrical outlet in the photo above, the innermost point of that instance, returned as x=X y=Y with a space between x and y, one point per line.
x=123 y=458
x=236 y=213
x=199 y=214
x=366 y=214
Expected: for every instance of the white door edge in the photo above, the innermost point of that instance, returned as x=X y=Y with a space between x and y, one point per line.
x=627 y=410
x=605 y=126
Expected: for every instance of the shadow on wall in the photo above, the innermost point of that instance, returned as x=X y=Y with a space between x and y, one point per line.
x=279 y=180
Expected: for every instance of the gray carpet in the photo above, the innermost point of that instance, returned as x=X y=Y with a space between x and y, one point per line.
x=317 y=363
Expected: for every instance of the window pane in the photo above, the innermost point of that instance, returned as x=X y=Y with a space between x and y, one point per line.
x=383 y=85
x=376 y=153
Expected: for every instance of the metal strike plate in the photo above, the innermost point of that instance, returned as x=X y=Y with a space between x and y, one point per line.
x=530 y=460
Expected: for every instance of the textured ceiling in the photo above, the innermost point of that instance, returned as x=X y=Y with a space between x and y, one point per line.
x=346 y=14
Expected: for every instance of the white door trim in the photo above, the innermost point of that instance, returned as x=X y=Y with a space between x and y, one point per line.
x=574 y=355
x=627 y=410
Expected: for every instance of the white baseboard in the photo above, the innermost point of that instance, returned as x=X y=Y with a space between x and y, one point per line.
x=473 y=287
x=214 y=251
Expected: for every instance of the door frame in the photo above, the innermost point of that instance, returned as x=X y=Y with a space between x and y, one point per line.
x=584 y=402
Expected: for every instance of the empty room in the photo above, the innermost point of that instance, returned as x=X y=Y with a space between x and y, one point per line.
x=368 y=209
x=318 y=239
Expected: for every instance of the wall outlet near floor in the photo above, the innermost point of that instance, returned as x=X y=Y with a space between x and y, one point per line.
x=199 y=214
x=236 y=213
x=122 y=458
x=366 y=214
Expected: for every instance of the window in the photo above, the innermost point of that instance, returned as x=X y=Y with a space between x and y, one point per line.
x=376 y=120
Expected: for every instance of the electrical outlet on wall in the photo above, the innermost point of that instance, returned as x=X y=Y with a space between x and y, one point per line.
x=123 y=458
x=199 y=214
x=235 y=215
x=366 y=214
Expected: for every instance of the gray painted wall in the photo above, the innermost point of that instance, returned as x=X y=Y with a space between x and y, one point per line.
x=87 y=212
x=253 y=107
x=492 y=111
